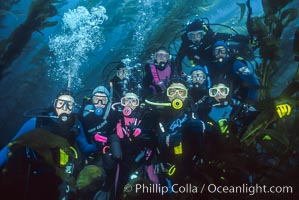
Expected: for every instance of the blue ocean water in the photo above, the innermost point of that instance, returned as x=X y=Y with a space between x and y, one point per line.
x=90 y=34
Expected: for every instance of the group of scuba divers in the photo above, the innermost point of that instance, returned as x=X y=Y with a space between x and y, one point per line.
x=155 y=131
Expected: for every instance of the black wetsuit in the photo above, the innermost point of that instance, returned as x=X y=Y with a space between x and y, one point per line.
x=180 y=128
x=202 y=53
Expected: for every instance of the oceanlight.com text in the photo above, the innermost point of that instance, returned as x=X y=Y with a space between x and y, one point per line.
x=209 y=188
x=249 y=189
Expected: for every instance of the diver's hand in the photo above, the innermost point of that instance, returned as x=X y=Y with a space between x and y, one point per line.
x=100 y=138
x=134 y=129
x=137 y=132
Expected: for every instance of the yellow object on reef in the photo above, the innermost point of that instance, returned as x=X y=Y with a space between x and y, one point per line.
x=283 y=110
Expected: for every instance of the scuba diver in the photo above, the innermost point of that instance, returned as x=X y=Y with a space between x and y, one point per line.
x=180 y=133
x=199 y=83
x=235 y=69
x=197 y=42
x=120 y=81
x=227 y=120
x=158 y=72
x=41 y=160
x=225 y=115
x=99 y=121
x=128 y=75
x=135 y=130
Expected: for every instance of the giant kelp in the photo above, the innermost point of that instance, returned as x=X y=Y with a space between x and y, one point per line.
x=7 y=4
x=270 y=142
x=267 y=154
x=268 y=31
x=39 y=12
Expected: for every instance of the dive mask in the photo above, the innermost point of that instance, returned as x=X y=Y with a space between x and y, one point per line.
x=217 y=91
x=220 y=53
x=180 y=91
x=123 y=72
x=219 y=50
x=125 y=101
x=64 y=104
x=195 y=35
x=161 y=56
x=96 y=99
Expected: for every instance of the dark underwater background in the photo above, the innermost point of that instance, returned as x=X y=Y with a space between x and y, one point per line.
x=47 y=45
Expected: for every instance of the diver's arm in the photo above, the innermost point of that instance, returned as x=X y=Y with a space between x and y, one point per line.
x=28 y=126
x=248 y=77
x=4 y=156
x=245 y=74
x=85 y=147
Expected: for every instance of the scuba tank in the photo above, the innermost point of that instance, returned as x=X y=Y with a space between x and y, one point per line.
x=115 y=147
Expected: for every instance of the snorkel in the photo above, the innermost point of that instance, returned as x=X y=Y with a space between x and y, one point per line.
x=176 y=104
x=177 y=93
